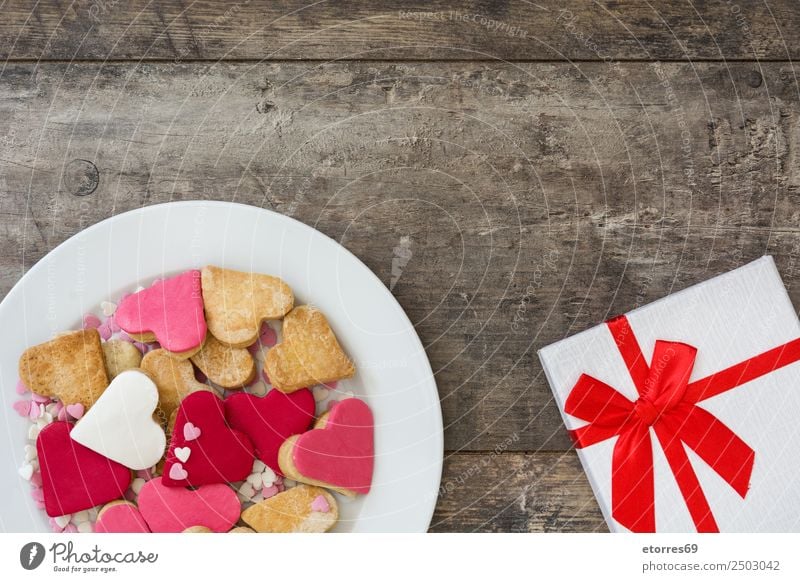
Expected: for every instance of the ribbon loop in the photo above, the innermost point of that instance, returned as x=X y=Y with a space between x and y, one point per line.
x=667 y=405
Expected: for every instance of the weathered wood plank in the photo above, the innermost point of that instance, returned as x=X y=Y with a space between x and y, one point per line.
x=534 y=200
x=507 y=492
x=396 y=29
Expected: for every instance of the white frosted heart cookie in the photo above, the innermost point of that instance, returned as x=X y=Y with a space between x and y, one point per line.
x=120 y=425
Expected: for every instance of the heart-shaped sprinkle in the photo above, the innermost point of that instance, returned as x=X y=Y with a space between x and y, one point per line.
x=23 y=407
x=191 y=432
x=182 y=453
x=26 y=471
x=75 y=410
x=320 y=504
x=177 y=472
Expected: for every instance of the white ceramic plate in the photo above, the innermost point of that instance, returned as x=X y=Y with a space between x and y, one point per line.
x=114 y=256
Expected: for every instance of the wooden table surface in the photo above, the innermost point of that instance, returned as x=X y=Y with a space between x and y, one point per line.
x=515 y=171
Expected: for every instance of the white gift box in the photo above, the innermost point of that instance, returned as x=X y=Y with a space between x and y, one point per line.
x=729 y=319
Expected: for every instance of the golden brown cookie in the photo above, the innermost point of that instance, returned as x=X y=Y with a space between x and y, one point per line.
x=236 y=303
x=197 y=529
x=223 y=365
x=308 y=354
x=174 y=378
x=301 y=509
x=69 y=367
x=120 y=356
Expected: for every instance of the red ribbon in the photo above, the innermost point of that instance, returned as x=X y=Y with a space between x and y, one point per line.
x=667 y=403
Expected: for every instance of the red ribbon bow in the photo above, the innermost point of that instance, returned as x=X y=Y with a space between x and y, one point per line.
x=667 y=403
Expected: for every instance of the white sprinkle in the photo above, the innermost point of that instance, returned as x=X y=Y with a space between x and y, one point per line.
x=108 y=308
x=80 y=517
x=30 y=452
x=35 y=464
x=320 y=393
x=259 y=389
x=255 y=480
x=85 y=527
x=137 y=485
x=139 y=288
x=51 y=408
x=42 y=422
x=26 y=471
x=258 y=466
x=246 y=490
x=33 y=432
x=62 y=520
x=268 y=477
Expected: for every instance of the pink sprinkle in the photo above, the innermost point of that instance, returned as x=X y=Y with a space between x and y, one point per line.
x=59 y=406
x=253 y=349
x=36 y=479
x=39 y=504
x=23 y=407
x=62 y=414
x=268 y=336
x=75 y=410
x=37 y=493
x=125 y=337
x=320 y=504
x=266 y=378
x=331 y=385
x=105 y=332
x=112 y=324
x=144 y=474
x=270 y=491
x=91 y=321
x=70 y=528
x=35 y=411
x=40 y=399
x=54 y=526
x=141 y=347
x=21 y=388
x=130 y=495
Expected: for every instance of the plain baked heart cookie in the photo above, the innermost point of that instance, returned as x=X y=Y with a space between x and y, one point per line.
x=120 y=425
x=169 y=311
x=337 y=454
x=308 y=354
x=120 y=517
x=174 y=378
x=174 y=509
x=270 y=420
x=301 y=509
x=237 y=303
x=69 y=367
x=225 y=366
x=204 y=449
x=75 y=478
x=120 y=356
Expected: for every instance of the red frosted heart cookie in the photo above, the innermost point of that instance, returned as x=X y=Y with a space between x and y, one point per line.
x=170 y=311
x=338 y=455
x=174 y=509
x=74 y=477
x=270 y=420
x=204 y=449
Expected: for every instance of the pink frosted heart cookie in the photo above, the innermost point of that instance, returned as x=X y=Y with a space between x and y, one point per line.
x=270 y=420
x=338 y=454
x=204 y=449
x=120 y=517
x=174 y=509
x=170 y=311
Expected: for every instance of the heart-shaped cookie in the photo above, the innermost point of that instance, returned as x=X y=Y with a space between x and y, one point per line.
x=120 y=356
x=204 y=449
x=174 y=509
x=338 y=454
x=174 y=378
x=309 y=353
x=75 y=478
x=120 y=517
x=237 y=302
x=170 y=311
x=69 y=367
x=301 y=509
x=120 y=425
x=223 y=365
x=270 y=420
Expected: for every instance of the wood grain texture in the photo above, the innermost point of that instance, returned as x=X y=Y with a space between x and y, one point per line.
x=527 y=202
x=394 y=29
x=512 y=492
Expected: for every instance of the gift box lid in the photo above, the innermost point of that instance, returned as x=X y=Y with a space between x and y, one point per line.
x=729 y=319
